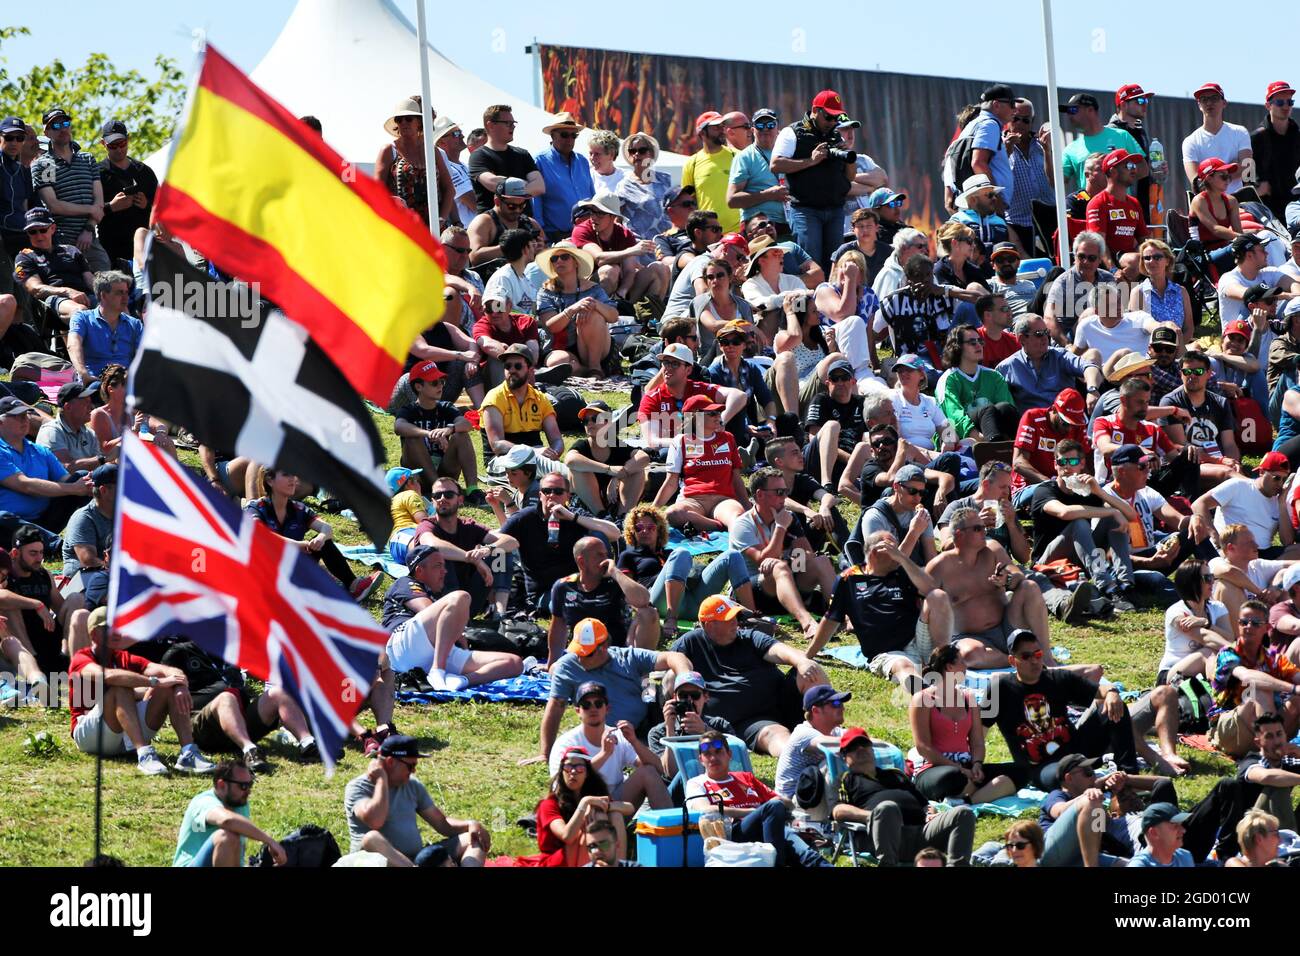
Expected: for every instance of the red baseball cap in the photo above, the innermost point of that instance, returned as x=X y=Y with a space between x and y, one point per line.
x=829 y=101
x=1208 y=88
x=1237 y=327
x=427 y=372
x=701 y=403
x=852 y=736
x=1117 y=156
x=1069 y=405
x=1278 y=86
x=708 y=118
x=1214 y=165
x=736 y=241
x=1130 y=91
x=1275 y=461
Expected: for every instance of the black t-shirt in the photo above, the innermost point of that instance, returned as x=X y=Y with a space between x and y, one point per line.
x=859 y=790
x=1047 y=527
x=208 y=677
x=1256 y=759
x=916 y=319
x=57 y=266
x=619 y=455
x=513 y=161
x=644 y=564
x=442 y=415
x=803 y=488
x=882 y=610
x=742 y=685
x=1207 y=420
x=871 y=491
x=544 y=564
x=606 y=603
x=1034 y=719
x=467 y=536
x=46 y=644
x=117 y=229
x=395 y=611
x=849 y=414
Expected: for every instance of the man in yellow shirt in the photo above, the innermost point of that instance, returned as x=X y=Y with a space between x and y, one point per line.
x=709 y=170
x=516 y=413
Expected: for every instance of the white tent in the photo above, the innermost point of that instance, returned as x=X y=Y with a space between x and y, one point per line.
x=348 y=62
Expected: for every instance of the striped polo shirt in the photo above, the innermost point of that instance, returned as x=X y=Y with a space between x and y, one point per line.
x=73 y=182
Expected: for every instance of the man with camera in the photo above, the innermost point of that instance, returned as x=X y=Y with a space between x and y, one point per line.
x=684 y=716
x=820 y=174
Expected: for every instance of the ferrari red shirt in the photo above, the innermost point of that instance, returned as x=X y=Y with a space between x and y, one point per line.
x=1038 y=440
x=659 y=403
x=705 y=464
x=1147 y=435
x=1119 y=221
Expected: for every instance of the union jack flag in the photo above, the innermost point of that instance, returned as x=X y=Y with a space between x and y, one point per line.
x=186 y=561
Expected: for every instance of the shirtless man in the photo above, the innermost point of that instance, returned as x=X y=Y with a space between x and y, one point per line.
x=990 y=595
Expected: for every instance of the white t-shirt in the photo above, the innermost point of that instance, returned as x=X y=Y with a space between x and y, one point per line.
x=918 y=423
x=609 y=182
x=762 y=296
x=463 y=189
x=1260 y=571
x=505 y=282
x=611 y=771
x=683 y=291
x=851 y=339
x=799 y=752
x=783 y=148
x=1240 y=502
x=1226 y=144
x=1147 y=503
x=889 y=279
x=1230 y=309
x=1130 y=333
x=1178 y=644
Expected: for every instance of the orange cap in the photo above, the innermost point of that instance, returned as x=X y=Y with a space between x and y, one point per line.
x=719 y=608
x=588 y=635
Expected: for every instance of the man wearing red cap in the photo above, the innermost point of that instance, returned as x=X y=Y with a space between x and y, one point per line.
x=1256 y=502
x=1033 y=457
x=704 y=462
x=1228 y=141
x=1113 y=213
x=709 y=169
x=1276 y=147
x=430 y=426
x=1131 y=102
x=819 y=183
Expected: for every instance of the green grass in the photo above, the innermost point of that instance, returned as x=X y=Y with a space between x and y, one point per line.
x=47 y=805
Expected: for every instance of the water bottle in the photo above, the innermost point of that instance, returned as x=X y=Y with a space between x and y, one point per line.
x=1156 y=155
x=553 y=531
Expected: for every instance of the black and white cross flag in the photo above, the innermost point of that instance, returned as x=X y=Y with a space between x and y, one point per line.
x=246 y=380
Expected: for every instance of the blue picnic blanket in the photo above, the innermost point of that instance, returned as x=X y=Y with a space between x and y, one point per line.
x=534 y=688
x=1026 y=799
x=367 y=555
x=713 y=544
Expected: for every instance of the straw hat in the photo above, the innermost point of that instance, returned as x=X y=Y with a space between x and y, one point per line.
x=654 y=145
x=407 y=107
x=1126 y=362
x=759 y=246
x=563 y=120
x=442 y=126
x=586 y=264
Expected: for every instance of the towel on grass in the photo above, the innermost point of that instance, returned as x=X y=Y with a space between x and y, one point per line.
x=713 y=544
x=365 y=554
x=526 y=688
x=1026 y=799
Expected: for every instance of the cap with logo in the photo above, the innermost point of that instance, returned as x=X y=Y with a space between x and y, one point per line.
x=734 y=240
x=1238 y=327
x=12 y=124
x=426 y=372
x=112 y=131
x=829 y=101
x=883 y=197
x=1130 y=91
x=1277 y=88
x=719 y=608
x=400 y=745
x=512 y=187
x=1240 y=246
x=1118 y=157
x=70 y=391
x=591 y=409
x=590 y=687
x=1005 y=249
x=1259 y=292
x=588 y=635
x=701 y=403
x=397 y=477
x=1070 y=406
x=1208 y=88
x=9 y=405
x=38 y=217
x=821 y=694
x=1213 y=165
x=418 y=555
x=765 y=113
x=690 y=679
x=519 y=350
x=708 y=118
x=1164 y=335
x=678 y=352
x=54 y=113
x=840 y=365
x=909 y=360
x=1129 y=455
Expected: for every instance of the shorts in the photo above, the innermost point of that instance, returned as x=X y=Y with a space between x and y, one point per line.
x=210 y=736
x=409 y=648
x=86 y=734
x=809 y=388
x=1233 y=735
x=994 y=637
x=399 y=545
x=750 y=730
x=917 y=651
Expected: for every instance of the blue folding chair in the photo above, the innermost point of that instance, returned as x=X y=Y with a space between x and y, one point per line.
x=686 y=754
x=844 y=832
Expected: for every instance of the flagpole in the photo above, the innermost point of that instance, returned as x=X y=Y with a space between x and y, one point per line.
x=426 y=107
x=1058 y=140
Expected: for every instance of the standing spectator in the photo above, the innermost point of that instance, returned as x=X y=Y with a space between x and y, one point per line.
x=752 y=187
x=1131 y=102
x=1031 y=170
x=476 y=138
x=1094 y=137
x=740 y=131
x=451 y=143
x=51 y=272
x=709 y=169
x=819 y=182
x=1214 y=138
x=1113 y=213
x=567 y=176
x=132 y=186
x=67 y=183
x=497 y=160
x=643 y=191
x=400 y=164
x=602 y=149
x=977 y=206
x=988 y=151
x=868 y=175
x=107 y=334
x=1275 y=145
x=16 y=193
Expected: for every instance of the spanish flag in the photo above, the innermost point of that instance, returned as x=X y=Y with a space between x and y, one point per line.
x=264 y=199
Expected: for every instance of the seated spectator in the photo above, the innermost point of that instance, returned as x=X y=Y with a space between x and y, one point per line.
x=1165 y=373
x=1073 y=819
x=1196 y=627
x=599 y=590
x=775 y=544
x=978 y=205
x=679 y=205
x=1160 y=540
x=1241 y=574
x=676 y=586
x=516 y=413
x=449 y=342
x=110 y=419
x=906 y=244
x=991 y=597
x=36 y=486
x=1109 y=328
x=734 y=369
x=1272 y=767
x=823 y=710
x=718 y=305
x=408 y=508
x=217 y=823
x=975 y=399
x=1038 y=372
x=1023 y=843
x=602 y=845
x=901 y=513
x=426 y=633
x=107 y=334
x=875 y=462
x=918 y=315
x=804 y=351
x=889 y=804
x=806 y=497
x=69 y=436
x=835 y=423
x=1033 y=715
x=1172 y=468
x=662 y=405
x=868 y=239
x=1069 y=295
x=1041 y=429
x=289 y=518
x=685 y=699
x=618 y=253
x=1162 y=826
x=797 y=262
x=690 y=280
x=608 y=474
x=948 y=757
x=469 y=549
x=894 y=608
x=612 y=751
x=1235 y=362
x=1006 y=281
x=704 y=463
x=497 y=330
x=1211 y=436
x=848 y=302
x=89 y=535
x=619 y=669
x=52 y=272
x=1158 y=295
x=50 y=626
x=1257 y=834
x=1256 y=502
x=133 y=697
x=487 y=231
x=435 y=435
x=17 y=651
x=642 y=191
x=1250 y=678
x=575 y=311
x=578 y=799
x=388 y=802
x=511 y=286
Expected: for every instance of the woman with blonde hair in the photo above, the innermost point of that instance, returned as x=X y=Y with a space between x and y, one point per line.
x=850 y=304
x=643 y=190
x=602 y=149
x=1157 y=294
x=576 y=311
x=1257 y=835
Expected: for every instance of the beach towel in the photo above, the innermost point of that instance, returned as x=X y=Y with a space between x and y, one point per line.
x=531 y=688
x=713 y=544
x=367 y=555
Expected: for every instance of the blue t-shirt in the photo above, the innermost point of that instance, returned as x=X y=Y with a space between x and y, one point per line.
x=34 y=461
x=103 y=345
x=297 y=517
x=1144 y=858
x=751 y=173
x=1288 y=426
x=987 y=134
x=750 y=381
x=621 y=675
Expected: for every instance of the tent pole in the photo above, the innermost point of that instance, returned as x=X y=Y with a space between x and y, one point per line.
x=535 y=49
x=1058 y=140
x=426 y=107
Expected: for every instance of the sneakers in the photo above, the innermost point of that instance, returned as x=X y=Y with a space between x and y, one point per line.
x=553 y=374
x=254 y=760
x=361 y=588
x=1119 y=601
x=191 y=761
x=150 y=763
x=415 y=680
x=309 y=750
x=1079 y=604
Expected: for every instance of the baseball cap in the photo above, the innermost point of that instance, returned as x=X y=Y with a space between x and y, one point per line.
x=1274 y=461
x=1238 y=327
x=707 y=118
x=54 y=113
x=98 y=618
x=1002 y=249
x=676 y=193
x=1072 y=762
x=765 y=113
x=512 y=187
x=690 y=679
x=1278 y=87
x=996 y=91
x=824 y=694
x=427 y=372
x=1081 y=99
x=74 y=389
x=829 y=101
x=13 y=406
x=1214 y=165
x=1130 y=91
x=910 y=360
x=1159 y=813
x=1291 y=578
x=719 y=608
x=853 y=736
x=592 y=408
x=882 y=196
x=112 y=131
x=104 y=475
x=520 y=350
x=588 y=635
x=397 y=477
x=839 y=365
x=1117 y=157
x=701 y=403
x=908 y=473
x=679 y=352
x=1240 y=246
x=418 y=554
x=1208 y=88
x=1021 y=635
x=1069 y=405
x=1259 y=292
x=736 y=327
x=12 y=124
x=846 y=123
x=735 y=240
x=587 y=688
x=520 y=456
x=400 y=745
x=1164 y=335
x=37 y=217
x=1129 y=455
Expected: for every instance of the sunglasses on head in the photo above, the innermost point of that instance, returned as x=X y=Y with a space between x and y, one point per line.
x=592 y=703
x=707 y=745
x=443 y=495
x=765 y=124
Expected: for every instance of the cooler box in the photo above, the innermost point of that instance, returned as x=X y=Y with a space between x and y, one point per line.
x=659 y=838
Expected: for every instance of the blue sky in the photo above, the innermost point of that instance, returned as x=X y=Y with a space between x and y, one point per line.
x=1104 y=47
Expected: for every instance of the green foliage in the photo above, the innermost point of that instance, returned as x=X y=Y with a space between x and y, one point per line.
x=40 y=744
x=94 y=93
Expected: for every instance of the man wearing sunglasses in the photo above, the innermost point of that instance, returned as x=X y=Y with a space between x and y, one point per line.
x=1030 y=154
x=708 y=169
x=752 y=187
x=1083 y=112
x=496 y=160
x=1252 y=678
x=1131 y=103
x=1215 y=138
x=1114 y=213
x=217 y=823
x=67 y=183
x=1068 y=297
x=132 y=185
x=823 y=724
x=679 y=205
x=51 y=272
x=16 y=192
x=567 y=176
x=511 y=205
x=449 y=139
x=598 y=589
x=1252 y=285
x=1211 y=436
x=470 y=549
x=1038 y=373
x=685 y=698
x=516 y=413
x=835 y=423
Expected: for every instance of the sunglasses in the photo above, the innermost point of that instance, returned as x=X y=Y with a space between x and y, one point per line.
x=1152 y=256
x=443 y=495
x=1281 y=102
x=561 y=257
x=728 y=343
x=686 y=204
x=592 y=703
x=711 y=227
x=841 y=377
x=707 y=745
x=463 y=250
x=515 y=366
x=242 y=784
x=553 y=492
x=1030 y=656
x=15 y=137
x=898 y=204
x=1141 y=100
x=599 y=845
x=979 y=342
x=575 y=766
x=692 y=696
x=1088 y=257
x=568 y=135
x=1026 y=120
x=640 y=151
x=1194 y=372
x=1037 y=334
x=765 y=124
x=61 y=124
x=1069 y=462
x=779 y=492
x=1016 y=845
x=1072 y=110
x=913 y=489
x=883 y=443
x=116 y=144
x=1251 y=622
x=511 y=123
x=518 y=206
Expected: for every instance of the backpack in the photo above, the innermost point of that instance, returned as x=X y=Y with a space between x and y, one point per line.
x=958 y=158
x=514 y=636
x=308 y=846
x=568 y=402
x=1195 y=698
